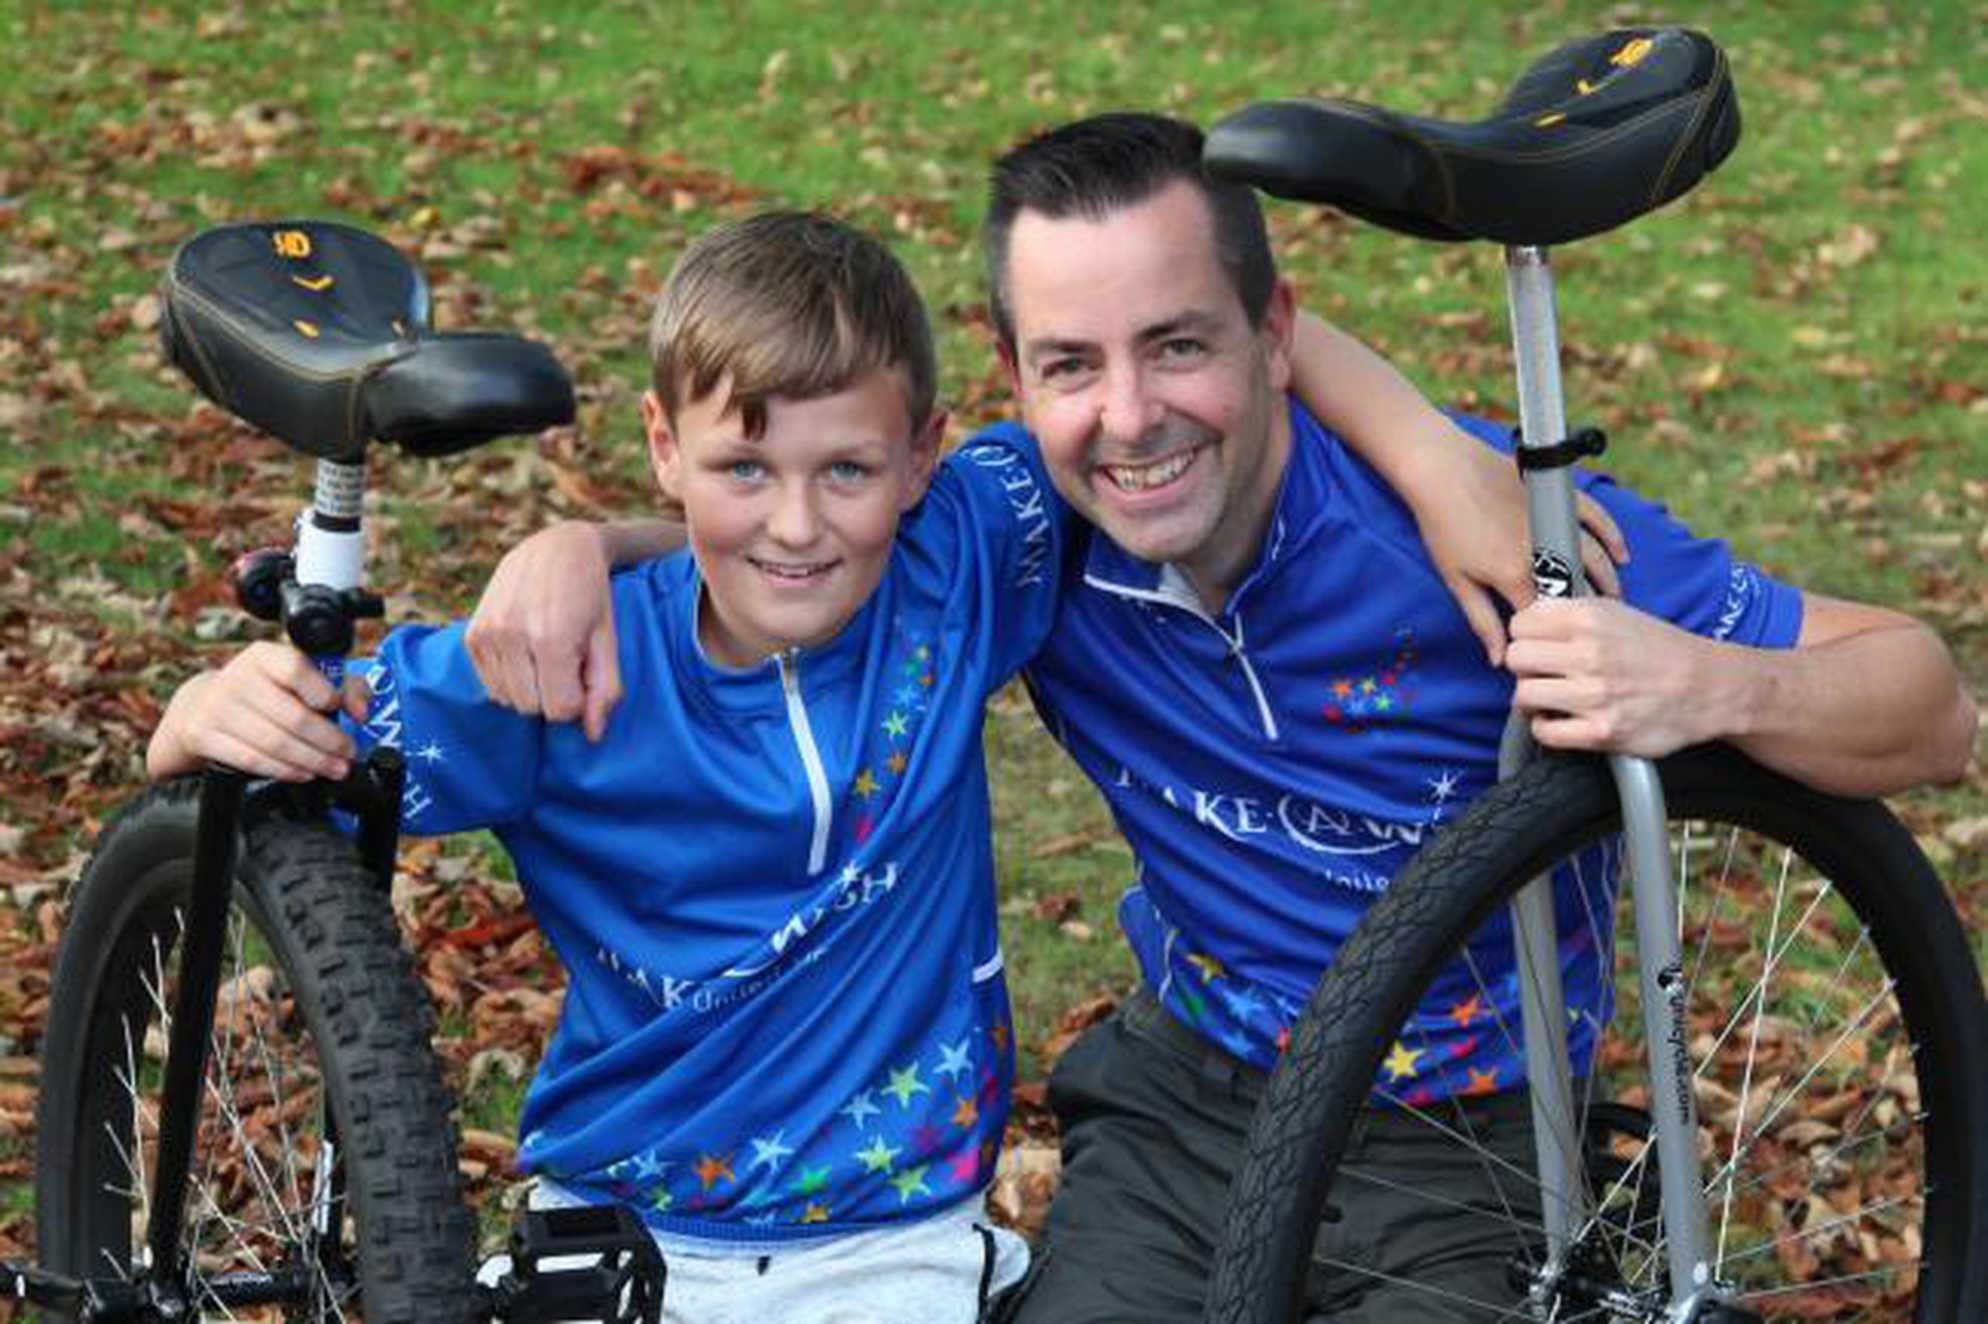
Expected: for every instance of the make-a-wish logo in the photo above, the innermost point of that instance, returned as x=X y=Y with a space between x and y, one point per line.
x=1358 y=704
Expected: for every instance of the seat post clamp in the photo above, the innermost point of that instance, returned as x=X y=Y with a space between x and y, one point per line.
x=1584 y=442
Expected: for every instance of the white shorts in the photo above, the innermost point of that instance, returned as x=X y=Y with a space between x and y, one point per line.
x=940 y=1270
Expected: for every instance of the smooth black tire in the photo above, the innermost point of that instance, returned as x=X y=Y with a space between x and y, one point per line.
x=320 y=1015
x=1890 y=1090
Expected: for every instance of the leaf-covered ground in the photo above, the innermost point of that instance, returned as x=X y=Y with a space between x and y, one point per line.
x=1797 y=356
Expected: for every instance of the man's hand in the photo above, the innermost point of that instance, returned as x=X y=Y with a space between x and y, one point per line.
x=543 y=636
x=1867 y=702
x=1470 y=507
x=268 y=712
x=1596 y=674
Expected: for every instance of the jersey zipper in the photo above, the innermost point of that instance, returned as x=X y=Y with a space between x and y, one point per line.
x=1249 y=673
x=804 y=738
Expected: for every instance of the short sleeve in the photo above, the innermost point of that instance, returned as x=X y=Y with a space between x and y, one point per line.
x=1692 y=582
x=470 y=762
x=1020 y=529
x=1697 y=583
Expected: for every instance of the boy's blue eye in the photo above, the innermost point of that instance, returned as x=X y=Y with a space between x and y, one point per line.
x=745 y=470
x=1180 y=347
x=848 y=471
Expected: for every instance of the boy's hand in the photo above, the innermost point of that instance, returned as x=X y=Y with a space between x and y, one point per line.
x=543 y=636
x=267 y=713
x=1480 y=541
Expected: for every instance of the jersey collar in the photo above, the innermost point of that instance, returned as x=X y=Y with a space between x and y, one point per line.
x=758 y=688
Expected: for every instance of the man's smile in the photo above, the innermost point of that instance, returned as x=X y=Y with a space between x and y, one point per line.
x=1146 y=477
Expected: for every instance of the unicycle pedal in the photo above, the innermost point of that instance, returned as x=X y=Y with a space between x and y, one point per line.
x=590 y=1265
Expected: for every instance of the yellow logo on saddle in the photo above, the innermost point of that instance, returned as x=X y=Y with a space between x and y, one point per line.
x=1633 y=53
x=292 y=244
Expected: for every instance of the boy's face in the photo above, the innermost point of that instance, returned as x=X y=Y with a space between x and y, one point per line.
x=1159 y=408
x=791 y=530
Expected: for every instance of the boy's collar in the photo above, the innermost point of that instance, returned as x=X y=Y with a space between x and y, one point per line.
x=758 y=686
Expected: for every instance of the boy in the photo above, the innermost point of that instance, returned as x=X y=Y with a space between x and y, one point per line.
x=785 y=1040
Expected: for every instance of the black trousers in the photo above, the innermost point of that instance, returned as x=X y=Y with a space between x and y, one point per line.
x=1153 y=1125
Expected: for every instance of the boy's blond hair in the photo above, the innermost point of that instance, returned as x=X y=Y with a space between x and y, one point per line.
x=792 y=304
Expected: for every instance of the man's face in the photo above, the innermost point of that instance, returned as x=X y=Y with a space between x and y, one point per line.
x=791 y=529
x=1159 y=408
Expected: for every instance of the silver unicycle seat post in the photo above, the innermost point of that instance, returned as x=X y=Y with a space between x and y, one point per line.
x=1557 y=573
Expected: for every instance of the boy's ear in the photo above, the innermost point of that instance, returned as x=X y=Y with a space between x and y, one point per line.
x=664 y=458
x=1280 y=321
x=924 y=457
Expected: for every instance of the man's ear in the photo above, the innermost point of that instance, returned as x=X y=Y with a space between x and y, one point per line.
x=924 y=457
x=1012 y=366
x=1280 y=320
x=665 y=461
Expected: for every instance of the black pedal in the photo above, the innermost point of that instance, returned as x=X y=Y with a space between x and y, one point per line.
x=591 y=1265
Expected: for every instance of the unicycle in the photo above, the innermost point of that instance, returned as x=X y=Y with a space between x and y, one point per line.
x=241 y=1116
x=1737 y=1034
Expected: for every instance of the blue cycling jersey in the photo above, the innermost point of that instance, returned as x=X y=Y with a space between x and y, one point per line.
x=772 y=888
x=1273 y=764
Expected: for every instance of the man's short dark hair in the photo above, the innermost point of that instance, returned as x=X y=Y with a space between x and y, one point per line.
x=1096 y=166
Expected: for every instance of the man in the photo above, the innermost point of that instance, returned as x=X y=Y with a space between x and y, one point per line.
x=1241 y=569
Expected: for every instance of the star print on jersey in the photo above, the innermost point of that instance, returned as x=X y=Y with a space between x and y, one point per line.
x=926 y=1131
x=953 y=1059
x=768 y=1152
x=911 y=673
x=1243 y=1002
x=1210 y=968
x=930 y=1128
x=905 y=1085
x=713 y=1168
x=878 y=1157
x=911 y=1182
x=1401 y=1060
x=1357 y=704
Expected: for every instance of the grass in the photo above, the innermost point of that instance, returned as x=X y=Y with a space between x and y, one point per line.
x=1792 y=357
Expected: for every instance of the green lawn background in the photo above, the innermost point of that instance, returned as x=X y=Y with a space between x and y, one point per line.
x=1797 y=356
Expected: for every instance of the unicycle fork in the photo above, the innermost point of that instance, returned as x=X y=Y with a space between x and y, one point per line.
x=1546 y=453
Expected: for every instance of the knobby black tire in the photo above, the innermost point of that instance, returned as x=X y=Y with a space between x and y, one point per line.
x=330 y=933
x=1336 y=1051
